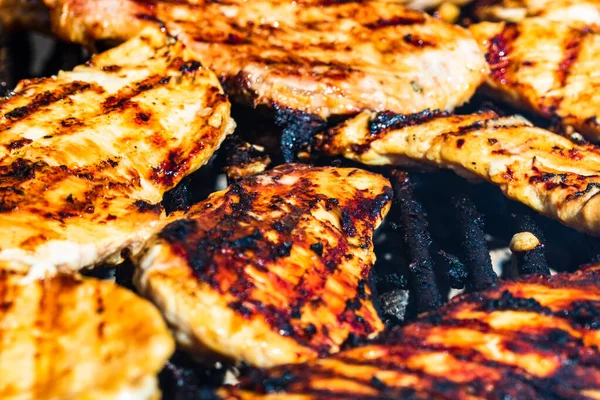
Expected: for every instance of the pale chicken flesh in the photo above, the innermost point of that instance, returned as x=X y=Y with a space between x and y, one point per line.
x=545 y=171
x=545 y=66
x=532 y=339
x=275 y=269
x=565 y=11
x=86 y=156
x=309 y=58
x=68 y=337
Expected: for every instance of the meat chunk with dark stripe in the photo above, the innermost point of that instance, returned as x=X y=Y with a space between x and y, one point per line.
x=547 y=172
x=518 y=340
x=547 y=67
x=271 y=270
x=318 y=58
x=86 y=156
x=69 y=337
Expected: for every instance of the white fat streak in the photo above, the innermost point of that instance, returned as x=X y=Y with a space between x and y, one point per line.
x=35 y=132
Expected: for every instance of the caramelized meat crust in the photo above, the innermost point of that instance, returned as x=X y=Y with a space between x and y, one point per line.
x=545 y=66
x=531 y=339
x=587 y=11
x=273 y=270
x=545 y=171
x=68 y=337
x=86 y=156
x=314 y=57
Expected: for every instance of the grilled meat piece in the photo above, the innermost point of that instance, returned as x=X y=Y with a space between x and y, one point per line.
x=311 y=59
x=19 y=14
x=547 y=67
x=273 y=270
x=531 y=339
x=557 y=10
x=68 y=337
x=545 y=171
x=86 y=156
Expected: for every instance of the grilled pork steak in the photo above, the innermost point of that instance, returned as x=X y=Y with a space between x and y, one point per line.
x=531 y=339
x=68 y=337
x=86 y=156
x=273 y=270
x=545 y=171
x=547 y=67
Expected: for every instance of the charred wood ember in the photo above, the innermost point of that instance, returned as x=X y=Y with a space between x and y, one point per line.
x=528 y=246
x=413 y=225
x=243 y=159
x=475 y=251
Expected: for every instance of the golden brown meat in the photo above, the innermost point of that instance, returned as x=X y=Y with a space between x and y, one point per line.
x=531 y=339
x=545 y=171
x=68 y=337
x=86 y=156
x=273 y=270
x=315 y=57
x=546 y=66
x=557 y=10
x=18 y=14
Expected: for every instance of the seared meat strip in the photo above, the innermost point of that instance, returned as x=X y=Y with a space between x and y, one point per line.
x=311 y=58
x=545 y=171
x=531 y=339
x=86 y=156
x=19 y=14
x=557 y=10
x=546 y=66
x=274 y=269
x=68 y=337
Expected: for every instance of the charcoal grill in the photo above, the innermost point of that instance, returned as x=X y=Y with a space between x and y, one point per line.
x=443 y=234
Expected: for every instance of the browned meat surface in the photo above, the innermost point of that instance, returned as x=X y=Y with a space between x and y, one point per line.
x=532 y=339
x=310 y=57
x=545 y=171
x=86 y=156
x=68 y=337
x=274 y=269
x=556 y=10
x=548 y=67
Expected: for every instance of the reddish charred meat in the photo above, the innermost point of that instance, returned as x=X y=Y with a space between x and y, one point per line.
x=548 y=67
x=273 y=270
x=545 y=171
x=311 y=58
x=532 y=339
x=86 y=156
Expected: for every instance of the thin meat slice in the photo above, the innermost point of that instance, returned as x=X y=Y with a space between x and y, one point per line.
x=548 y=67
x=86 y=156
x=545 y=171
x=69 y=337
x=274 y=269
x=531 y=339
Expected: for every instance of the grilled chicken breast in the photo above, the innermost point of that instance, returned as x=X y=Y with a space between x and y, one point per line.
x=557 y=10
x=530 y=339
x=545 y=66
x=313 y=58
x=17 y=14
x=545 y=171
x=68 y=337
x=275 y=269
x=86 y=156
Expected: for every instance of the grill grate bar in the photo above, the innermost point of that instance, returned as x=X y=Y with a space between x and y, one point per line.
x=474 y=246
x=417 y=239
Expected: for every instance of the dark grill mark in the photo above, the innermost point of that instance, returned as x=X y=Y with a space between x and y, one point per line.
x=143 y=207
x=387 y=121
x=414 y=19
x=571 y=53
x=17 y=144
x=498 y=55
x=417 y=41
